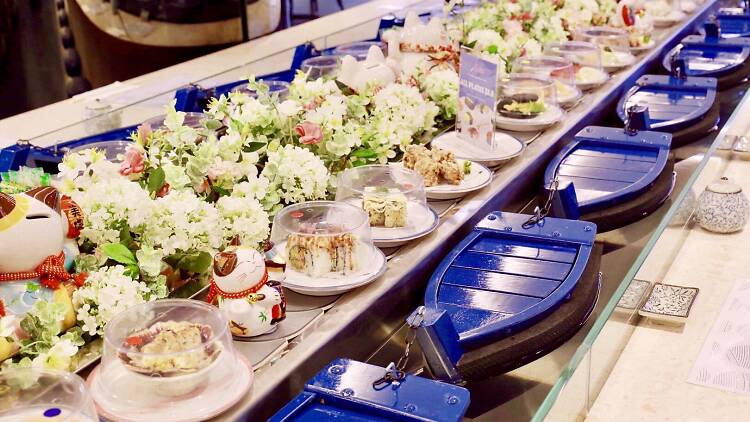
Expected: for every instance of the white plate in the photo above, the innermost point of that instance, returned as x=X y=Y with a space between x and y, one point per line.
x=593 y=83
x=421 y=220
x=669 y=20
x=374 y=265
x=479 y=177
x=570 y=100
x=624 y=60
x=506 y=148
x=220 y=394
x=552 y=115
x=643 y=48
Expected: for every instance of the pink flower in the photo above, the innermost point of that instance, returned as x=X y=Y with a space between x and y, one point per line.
x=133 y=163
x=309 y=133
x=143 y=131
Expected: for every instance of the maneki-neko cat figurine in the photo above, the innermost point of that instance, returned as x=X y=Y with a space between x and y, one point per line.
x=240 y=286
x=37 y=249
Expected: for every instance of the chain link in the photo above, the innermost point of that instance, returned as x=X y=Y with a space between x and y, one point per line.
x=541 y=213
x=396 y=372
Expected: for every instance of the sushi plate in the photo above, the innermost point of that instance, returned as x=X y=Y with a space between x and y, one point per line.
x=666 y=21
x=621 y=61
x=599 y=78
x=506 y=148
x=643 y=48
x=552 y=115
x=421 y=220
x=374 y=265
x=478 y=177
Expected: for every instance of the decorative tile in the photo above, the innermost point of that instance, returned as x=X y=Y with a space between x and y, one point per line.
x=669 y=303
x=633 y=294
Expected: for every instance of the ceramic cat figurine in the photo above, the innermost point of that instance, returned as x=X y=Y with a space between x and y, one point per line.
x=240 y=286
x=374 y=70
x=36 y=252
x=413 y=45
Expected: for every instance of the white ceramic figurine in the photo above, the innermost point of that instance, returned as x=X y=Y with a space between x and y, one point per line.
x=240 y=286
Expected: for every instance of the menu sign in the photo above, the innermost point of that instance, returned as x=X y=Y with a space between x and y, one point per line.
x=477 y=92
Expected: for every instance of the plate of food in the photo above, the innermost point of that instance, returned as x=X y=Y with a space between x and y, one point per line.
x=567 y=95
x=589 y=77
x=326 y=246
x=640 y=42
x=526 y=113
x=616 y=60
x=506 y=148
x=169 y=360
x=394 y=199
x=445 y=176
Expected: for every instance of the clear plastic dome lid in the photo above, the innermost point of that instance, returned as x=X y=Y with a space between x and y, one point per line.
x=607 y=38
x=555 y=67
x=394 y=198
x=321 y=237
x=159 y=351
x=192 y=119
x=580 y=53
x=113 y=150
x=359 y=50
x=320 y=66
x=525 y=95
x=280 y=88
x=36 y=394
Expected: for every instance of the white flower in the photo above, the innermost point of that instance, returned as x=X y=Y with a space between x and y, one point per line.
x=441 y=86
x=59 y=356
x=180 y=221
x=295 y=175
x=245 y=217
x=8 y=325
x=107 y=292
x=149 y=260
x=399 y=115
x=289 y=108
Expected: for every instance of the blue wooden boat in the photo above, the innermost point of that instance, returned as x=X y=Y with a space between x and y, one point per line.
x=507 y=278
x=344 y=391
x=734 y=22
x=710 y=55
x=684 y=106
x=618 y=175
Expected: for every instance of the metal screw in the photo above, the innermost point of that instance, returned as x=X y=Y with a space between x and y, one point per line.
x=587 y=228
x=452 y=400
x=337 y=370
x=347 y=392
x=555 y=234
x=508 y=229
x=411 y=408
x=491 y=217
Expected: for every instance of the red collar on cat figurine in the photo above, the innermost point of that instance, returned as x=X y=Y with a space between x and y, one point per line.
x=214 y=290
x=51 y=272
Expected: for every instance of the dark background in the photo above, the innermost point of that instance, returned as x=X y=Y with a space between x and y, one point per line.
x=31 y=61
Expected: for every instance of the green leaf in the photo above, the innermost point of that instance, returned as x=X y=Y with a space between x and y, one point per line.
x=156 y=180
x=220 y=191
x=195 y=262
x=213 y=124
x=358 y=163
x=253 y=146
x=364 y=153
x=492 y=49
x=132 y=271
x=471 y=45
x=126 y=238
x=119 y=253
x=31 y=287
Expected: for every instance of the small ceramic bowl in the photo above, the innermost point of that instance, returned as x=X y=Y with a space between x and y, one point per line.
x=723 y=207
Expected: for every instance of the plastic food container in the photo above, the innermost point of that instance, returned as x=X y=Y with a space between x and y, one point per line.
x=393 y=197
x=192 y=119
x=169 y=348
x=318 y=67
x=603 y=36
x=327 y=247
x=279 y=88
x=586 y=59
x=525 y=95
x=557 y=68
x=35 y=394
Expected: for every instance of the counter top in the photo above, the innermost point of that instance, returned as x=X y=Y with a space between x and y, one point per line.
x=649 y=381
